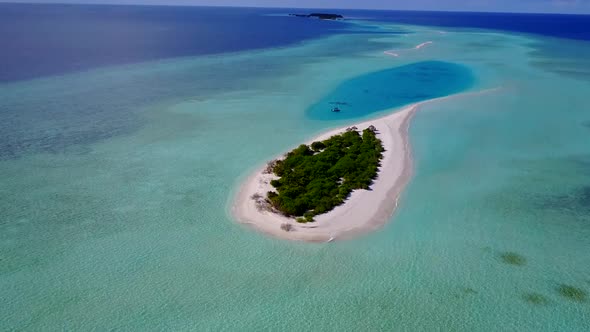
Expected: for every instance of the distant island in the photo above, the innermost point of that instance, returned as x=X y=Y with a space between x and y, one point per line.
x=321 y=16
x=313 y=179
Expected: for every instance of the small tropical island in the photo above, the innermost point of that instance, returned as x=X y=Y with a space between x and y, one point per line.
x=344 y=183
x=321 y=16
x=314 y=179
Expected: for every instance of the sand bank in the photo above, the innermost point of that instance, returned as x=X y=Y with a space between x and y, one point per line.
x=422 y=45
x=395 y=53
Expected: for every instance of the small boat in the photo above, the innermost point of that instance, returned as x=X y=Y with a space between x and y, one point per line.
x=336 y=110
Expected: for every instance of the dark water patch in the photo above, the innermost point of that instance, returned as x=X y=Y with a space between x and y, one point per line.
x=584 y=196
x=469 y=291
x=483 y=46
x=56 y=120
x=565 y=58
x=487 y=249
x=577 y=201
x=583 y=75
x=464 y=293
x=582 y=163
x=513 y=258
x=564 y=68
x=572 y=293
x=68 y=140
x=535 y=299
x=559 y=187
x=391 y=88
x=586 y=124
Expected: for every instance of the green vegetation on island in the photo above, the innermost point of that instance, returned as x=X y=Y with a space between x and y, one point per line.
x=315 y=179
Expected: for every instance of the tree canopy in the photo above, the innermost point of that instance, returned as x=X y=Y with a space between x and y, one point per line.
x=315 y=179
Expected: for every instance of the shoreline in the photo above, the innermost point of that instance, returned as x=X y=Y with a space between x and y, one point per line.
x=364 y=210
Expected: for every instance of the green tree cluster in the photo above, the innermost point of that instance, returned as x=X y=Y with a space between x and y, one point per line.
x=313 y=180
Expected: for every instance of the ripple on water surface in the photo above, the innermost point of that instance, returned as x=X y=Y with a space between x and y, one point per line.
x=392 y=88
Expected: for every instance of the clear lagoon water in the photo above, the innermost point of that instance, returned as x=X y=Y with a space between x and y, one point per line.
x=116 y=183
x=391 y=88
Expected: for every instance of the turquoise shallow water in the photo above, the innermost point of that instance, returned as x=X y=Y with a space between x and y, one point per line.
x=392 y=88
x=123 y=223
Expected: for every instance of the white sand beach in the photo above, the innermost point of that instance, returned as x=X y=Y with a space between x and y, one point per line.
x=362 y=212
x=365 y=210
x=423 y=44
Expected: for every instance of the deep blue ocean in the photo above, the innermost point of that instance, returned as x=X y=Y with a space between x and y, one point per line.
x=40 y=40
x=554 y=25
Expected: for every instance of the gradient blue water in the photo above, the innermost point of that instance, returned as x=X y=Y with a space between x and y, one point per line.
x=391 y=88
x=45 y=116
x=115 y=186
x=38 y=40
